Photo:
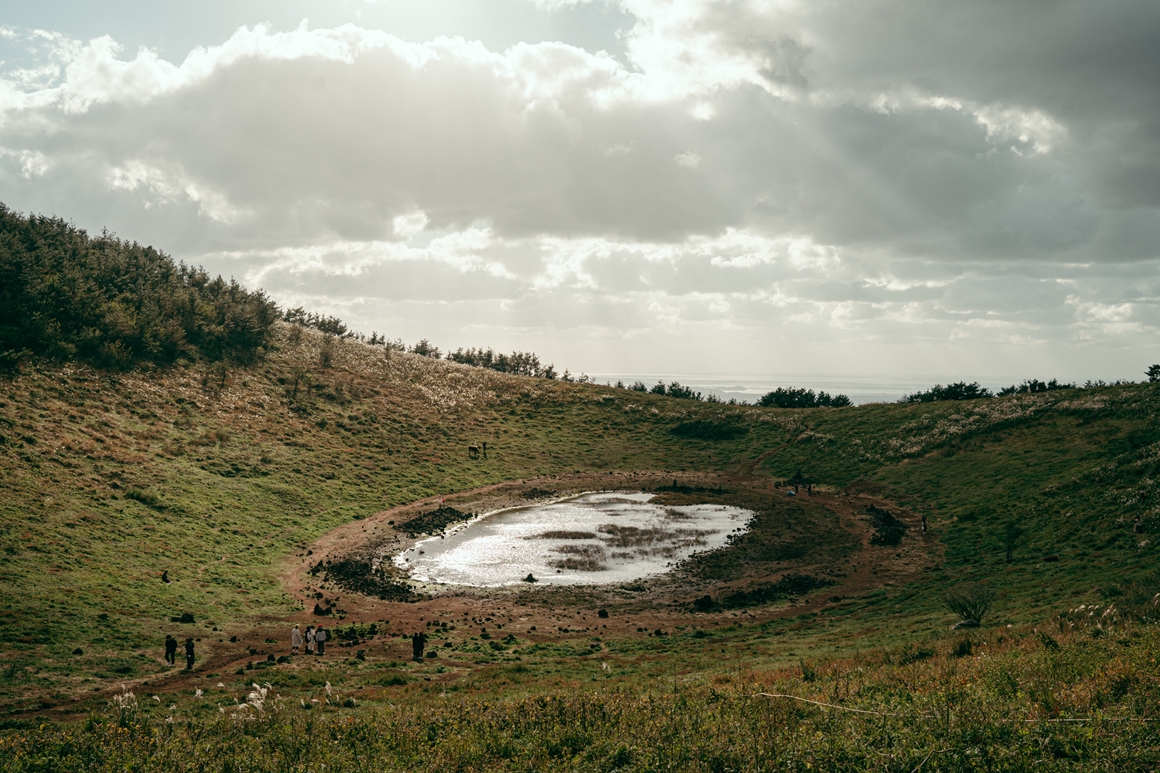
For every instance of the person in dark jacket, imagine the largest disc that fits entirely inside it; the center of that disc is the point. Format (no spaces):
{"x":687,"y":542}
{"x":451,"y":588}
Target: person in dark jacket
{"x":170,"y":650}
{"x":189,"y":654}
{"x":320,"y":638}
{"x":418,"y":644}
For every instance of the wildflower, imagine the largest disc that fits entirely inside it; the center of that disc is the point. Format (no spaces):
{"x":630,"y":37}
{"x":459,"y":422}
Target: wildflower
{"x":197,"y":693}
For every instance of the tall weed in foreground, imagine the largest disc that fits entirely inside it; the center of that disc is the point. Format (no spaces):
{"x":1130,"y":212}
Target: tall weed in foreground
{"x":1081,"y":703}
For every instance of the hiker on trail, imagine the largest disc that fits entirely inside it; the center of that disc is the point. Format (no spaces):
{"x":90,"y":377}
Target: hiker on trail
{"x":924,"y":524}
{"x":810,"y":490}
{"x":320,"y":640}
{"x":1137,"y":525}
{"x":189,"y":654}
{"x":418,"y":643}
{"x":309,"y":640}
{"x":170,"y":650}
{"x":295,"y":640}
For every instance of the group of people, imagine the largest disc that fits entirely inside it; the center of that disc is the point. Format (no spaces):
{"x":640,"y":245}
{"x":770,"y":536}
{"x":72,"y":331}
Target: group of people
{"x":171,"y":652}
{"x":314,"y":639}
{"x":418,"y":644}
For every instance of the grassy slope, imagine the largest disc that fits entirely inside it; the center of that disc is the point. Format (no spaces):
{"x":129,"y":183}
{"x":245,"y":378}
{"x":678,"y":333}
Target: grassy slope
{"x":231,"y":479}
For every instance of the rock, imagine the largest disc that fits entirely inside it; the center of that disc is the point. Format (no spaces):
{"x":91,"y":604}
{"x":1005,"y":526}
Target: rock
{"x":184,"y":617}
{"x":530,"y":578}
{"x":1050,"y":559}
{"x":603,"y":614}
{"x":78,"y":651}
{"x":966,"y":624}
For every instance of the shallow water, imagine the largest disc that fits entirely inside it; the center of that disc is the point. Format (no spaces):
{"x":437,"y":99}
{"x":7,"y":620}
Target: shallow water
{"x":589,"y":539}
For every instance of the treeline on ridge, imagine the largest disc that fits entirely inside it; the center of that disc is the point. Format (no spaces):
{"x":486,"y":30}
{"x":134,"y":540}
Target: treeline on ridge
{"x":66,"y":295}
{"x":114,"y":303}
{"x":961,"y":390}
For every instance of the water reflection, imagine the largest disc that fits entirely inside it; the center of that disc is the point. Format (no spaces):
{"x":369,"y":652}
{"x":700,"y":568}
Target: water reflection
{"x":593,"y":538}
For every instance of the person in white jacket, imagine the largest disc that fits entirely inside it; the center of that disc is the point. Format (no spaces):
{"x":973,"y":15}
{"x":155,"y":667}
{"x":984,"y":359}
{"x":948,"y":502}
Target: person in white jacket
{"x":295,"y":640}
{"x":309,"y":640}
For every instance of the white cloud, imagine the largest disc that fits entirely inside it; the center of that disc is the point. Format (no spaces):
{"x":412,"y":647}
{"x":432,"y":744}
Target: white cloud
{"x":166,"y":187}
{"x":410,"y":224}
{"x":862,"y":173}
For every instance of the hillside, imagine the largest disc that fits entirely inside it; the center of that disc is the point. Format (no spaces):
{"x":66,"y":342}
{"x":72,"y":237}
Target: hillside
{"x":179,"y":457}
{"x":220,"y":476}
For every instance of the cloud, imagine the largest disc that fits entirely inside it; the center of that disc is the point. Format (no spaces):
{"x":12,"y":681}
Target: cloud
{"x":885,"y":172}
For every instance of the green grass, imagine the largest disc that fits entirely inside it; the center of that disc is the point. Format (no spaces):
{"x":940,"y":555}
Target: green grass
{"x":992,"y":701}
{"x":108,"y":480}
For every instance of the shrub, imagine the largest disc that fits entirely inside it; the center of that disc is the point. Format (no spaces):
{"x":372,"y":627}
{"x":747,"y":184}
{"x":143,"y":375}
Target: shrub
{"x":888,"y":530}
{"x":1034,"y":386}
{"x":960,"y":390}
{"x":519,"y":363}
{"x":794,"y":397}
{"x":426,"y":349}
{"x":971,"y":602}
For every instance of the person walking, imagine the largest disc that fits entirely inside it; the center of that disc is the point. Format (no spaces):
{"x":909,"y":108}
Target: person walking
{"x":309,"y":640}
{"x":924,"y":524}
{"x":320,"y":638}
{"x":1137,"y":525}
{"x":295,"y":640}
{"x":189,"y":654}
{"x":170,"y":651}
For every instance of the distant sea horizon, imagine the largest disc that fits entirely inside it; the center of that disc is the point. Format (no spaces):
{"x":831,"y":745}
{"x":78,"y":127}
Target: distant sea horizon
{"x":750,"y":388}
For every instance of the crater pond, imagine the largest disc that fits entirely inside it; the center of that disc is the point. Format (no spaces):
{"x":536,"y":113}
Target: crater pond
{"x":588,"y":539}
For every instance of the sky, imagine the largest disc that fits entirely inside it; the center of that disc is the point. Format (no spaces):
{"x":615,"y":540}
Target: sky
{"x":760,"y":192}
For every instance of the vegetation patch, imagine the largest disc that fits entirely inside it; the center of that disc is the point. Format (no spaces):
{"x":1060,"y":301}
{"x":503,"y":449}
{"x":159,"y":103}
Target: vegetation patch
{"x":564,"y":534}
{"x":359,"y":575}
{"x":66,"y":295}
{"x":888,"y":530}
{"x":434,"y":522}
{"x":789,"y":586}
